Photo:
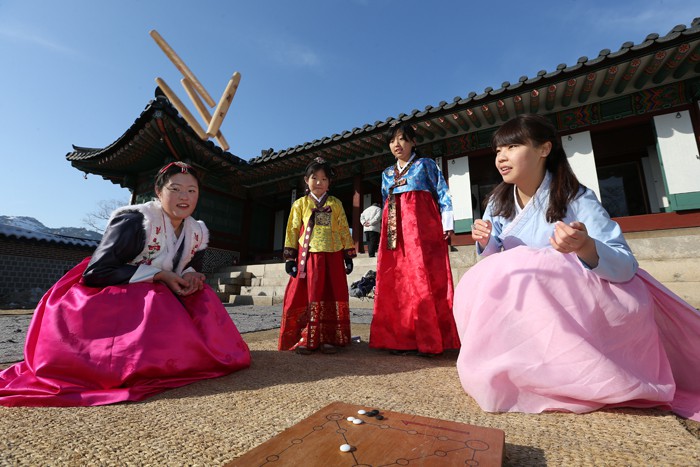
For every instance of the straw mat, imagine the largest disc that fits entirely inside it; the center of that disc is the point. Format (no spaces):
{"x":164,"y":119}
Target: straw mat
{"x":212,"y":422}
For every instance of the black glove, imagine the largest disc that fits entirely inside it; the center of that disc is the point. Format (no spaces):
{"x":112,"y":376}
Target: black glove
{"x":290,"y":267}
{"x":348,"y":265}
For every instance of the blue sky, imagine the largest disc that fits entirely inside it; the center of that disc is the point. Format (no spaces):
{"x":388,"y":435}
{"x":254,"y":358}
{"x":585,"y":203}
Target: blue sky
{"x":81,"y":71}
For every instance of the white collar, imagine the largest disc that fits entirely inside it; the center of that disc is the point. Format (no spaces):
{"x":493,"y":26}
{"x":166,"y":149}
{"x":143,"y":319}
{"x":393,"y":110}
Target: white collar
{"x":398,"y":162}
{"x":314,"y":197}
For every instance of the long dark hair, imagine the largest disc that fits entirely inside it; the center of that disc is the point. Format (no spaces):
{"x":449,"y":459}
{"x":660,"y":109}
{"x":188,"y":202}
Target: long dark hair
{"x":536,"y":130}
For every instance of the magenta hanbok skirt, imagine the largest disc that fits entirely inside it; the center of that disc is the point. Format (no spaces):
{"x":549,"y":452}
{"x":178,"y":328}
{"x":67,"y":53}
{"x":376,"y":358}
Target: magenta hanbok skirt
{"x":540,"y":332}
{"x":93,"y":346}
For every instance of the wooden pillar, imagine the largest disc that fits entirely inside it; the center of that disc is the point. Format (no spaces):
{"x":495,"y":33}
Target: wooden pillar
{"x":244,"y":252}
{"x":356,"y":211}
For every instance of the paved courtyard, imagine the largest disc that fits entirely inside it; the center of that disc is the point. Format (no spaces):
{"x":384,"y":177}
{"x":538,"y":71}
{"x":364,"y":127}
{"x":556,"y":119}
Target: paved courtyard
{"x":248,"y":318}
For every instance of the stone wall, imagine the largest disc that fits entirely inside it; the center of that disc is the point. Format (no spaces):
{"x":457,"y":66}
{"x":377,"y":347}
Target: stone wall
{"x":29,"y":268}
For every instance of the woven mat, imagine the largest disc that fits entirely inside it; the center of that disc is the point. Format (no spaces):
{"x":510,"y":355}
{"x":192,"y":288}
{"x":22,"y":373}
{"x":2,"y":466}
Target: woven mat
{"x":212,"y":422}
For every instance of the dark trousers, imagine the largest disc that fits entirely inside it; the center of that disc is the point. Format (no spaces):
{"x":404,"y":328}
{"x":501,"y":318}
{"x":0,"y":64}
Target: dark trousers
{"x":372,"y":239}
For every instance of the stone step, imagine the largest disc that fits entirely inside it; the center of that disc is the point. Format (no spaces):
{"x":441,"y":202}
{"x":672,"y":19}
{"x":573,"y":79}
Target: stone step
{"x":249,"y":300}
{"x":227,"y":289}
{"x":665,"y":244}
{"x":673,"y":270}
{"x":232,"y":274}
{"x":276,"y":274}
{"x":266,"y":290}
{"x":278,"y":281}
{"x":253,"y":269}
{"x":228,"y":280}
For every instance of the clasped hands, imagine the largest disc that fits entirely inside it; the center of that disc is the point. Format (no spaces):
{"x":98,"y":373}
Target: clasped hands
{"x":566,"y":238}
{"x":189,"y":283}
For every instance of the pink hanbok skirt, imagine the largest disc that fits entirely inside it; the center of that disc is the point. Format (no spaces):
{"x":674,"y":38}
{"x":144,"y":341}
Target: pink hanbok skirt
{"x":540,"y":332}
{"x":93,"y":346}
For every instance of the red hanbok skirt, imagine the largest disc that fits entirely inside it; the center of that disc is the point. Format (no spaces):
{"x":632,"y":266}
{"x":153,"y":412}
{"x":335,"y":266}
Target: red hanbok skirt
{"x":413,"y":295}
{"x":94,"y":346}
{"x":316,"y":309}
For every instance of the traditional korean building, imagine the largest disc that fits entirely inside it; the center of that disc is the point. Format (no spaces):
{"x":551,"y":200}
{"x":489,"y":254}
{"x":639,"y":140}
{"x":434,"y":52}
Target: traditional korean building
{"x":629,"y":121}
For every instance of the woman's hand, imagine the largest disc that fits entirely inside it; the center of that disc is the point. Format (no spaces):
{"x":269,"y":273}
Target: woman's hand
{"x":290,"y":267}
{"x":348,"y":266}
{"x":177,"y":284}
{"x":448,"y":234}
{"x":481,"y":232}
{"x":573,"y":238}
{"x":195,"y":280}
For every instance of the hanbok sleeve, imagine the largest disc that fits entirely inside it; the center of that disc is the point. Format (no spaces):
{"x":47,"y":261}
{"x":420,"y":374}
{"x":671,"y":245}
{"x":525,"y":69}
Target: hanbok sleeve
{"x":616,"y":262}
{"x":291,"y":239}
{"x":386,"y":183}
{"x":494,"y":245}
{"x":442,"y":195}
{"x":196,"y":263}
{"x":122,"y":241}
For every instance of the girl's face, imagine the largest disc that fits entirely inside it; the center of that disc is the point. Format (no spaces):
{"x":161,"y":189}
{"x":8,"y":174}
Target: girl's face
{"x":318,"y":183}
{"x":179,"y":197}
{"x":401,"y":147}
{"x":522,"y":164}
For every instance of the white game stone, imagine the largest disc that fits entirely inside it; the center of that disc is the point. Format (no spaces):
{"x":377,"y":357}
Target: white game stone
{"x":345,"y":447}
{"x":351,"y":419}
{"x":357,"y":421}
{"x":362,"y":412}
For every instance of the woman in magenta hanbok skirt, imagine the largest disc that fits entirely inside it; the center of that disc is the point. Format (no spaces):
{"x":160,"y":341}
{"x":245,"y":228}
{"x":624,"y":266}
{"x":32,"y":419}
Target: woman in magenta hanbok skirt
{"x":133,"y":320}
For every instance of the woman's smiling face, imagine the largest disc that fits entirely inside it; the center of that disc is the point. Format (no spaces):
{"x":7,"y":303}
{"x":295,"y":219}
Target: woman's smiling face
{"x":179,"y":197}
{"x":522,"y":163}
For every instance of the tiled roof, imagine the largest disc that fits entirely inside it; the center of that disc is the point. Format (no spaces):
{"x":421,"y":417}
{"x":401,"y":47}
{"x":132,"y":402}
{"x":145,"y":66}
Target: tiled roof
{"x":474,"y":109}
{"x":19,"y":233}
{"x":157,"y":134}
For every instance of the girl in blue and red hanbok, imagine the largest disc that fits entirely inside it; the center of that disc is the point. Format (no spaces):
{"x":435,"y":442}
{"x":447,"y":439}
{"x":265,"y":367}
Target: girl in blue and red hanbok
{"x":413,"y":295}
{"x":318,"y":250}
{"x":134,"y":319}
{"x":557,"y":316}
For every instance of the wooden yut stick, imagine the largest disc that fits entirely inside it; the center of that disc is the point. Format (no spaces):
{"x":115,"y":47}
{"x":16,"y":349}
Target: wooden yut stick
{"x":180,"y":65}
{"x":203,"y":111}
{"x":224,"y":104}
{"x":177,"y":103}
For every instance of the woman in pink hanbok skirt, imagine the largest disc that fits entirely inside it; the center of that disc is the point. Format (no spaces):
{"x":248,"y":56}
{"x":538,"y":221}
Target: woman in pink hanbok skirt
{"x":134,"y":319}
{"x":557,"y":316}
